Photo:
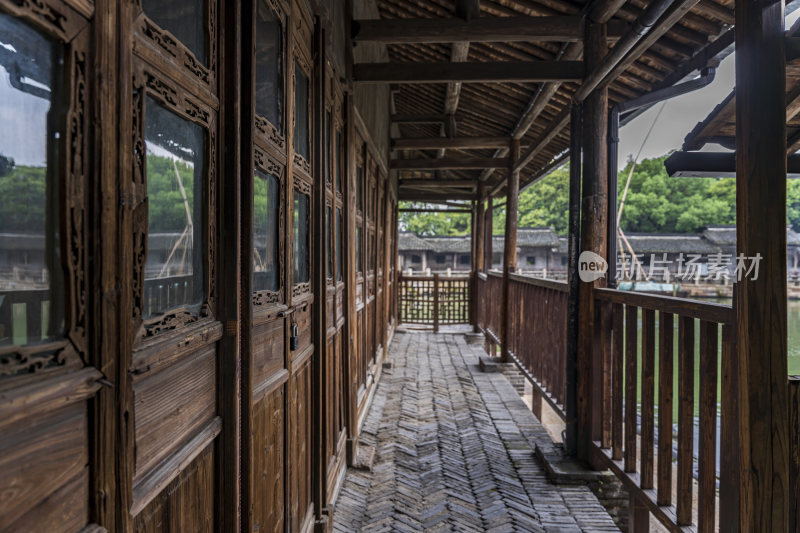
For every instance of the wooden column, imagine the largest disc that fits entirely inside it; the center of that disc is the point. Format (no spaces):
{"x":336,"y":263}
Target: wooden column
{"x":487,"y":243}
{"x":480,"y":232}
{"x":761,"y":303}
{"x":510,"y":244}
{"x":571,"y":366}
{"x":594,"y":211}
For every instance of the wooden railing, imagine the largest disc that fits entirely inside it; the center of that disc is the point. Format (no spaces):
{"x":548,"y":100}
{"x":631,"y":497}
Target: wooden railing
{"x":434,"y":300}
{"x":537,"y":340}
{"x":161,"y":294}
{"x":636,"y":435}
{"x":21,"y":313}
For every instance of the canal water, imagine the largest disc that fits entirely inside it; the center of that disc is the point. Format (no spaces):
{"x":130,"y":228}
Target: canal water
{"x":793,"y":369}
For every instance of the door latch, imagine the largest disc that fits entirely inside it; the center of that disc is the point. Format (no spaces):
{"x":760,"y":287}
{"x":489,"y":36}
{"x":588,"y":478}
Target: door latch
{"x":294,"y":339}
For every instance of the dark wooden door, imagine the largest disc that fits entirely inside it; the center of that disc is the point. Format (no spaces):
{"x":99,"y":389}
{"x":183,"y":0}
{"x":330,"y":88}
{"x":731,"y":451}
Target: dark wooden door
{"x":170,"y":327}
{"x":48,"y":374}
{"x":277,"y":193}
{"x":333,"y":370}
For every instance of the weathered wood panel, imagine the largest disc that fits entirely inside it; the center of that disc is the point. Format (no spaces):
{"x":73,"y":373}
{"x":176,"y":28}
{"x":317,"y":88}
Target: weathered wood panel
{"x":187,"y":504}
{"x":268,"y":350}
{"x":267,"y":506}
{"x":38,"y":458}
{"x":171,"y":405}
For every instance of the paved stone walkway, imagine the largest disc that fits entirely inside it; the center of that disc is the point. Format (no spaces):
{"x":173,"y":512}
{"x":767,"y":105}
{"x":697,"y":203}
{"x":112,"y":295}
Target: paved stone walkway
{"x":454,"y":452}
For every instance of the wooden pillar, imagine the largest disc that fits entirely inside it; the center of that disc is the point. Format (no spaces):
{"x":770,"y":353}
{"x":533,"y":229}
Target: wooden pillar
{"x":480,"y":233}
{"x":510,"y":244}
{"x":594,"y":212}
{"x":487,"y":243}
{"x":436,"y":303}
{"x":761,"y":302}
{"x":571,"y":366}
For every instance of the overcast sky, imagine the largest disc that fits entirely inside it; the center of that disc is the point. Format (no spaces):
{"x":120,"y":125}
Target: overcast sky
{"x":680,"y":115}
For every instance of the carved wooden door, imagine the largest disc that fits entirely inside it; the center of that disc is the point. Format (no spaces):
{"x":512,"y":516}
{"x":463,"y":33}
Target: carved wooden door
{"x":358,"y":355}
{"x":334,"y":384}
{"x":277,"y":187}
{"x":170,"y":330}
{"x":48,"y":378}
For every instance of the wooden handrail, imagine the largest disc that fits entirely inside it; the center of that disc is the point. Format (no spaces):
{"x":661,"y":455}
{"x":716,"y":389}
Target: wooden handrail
{"x":560,"y":286}
{"x":722,"y":314}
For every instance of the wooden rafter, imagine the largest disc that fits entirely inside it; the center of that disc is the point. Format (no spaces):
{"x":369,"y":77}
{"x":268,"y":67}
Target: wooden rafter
{"x":455,"y":143}
{"x":486,"y":29}
{"x":478,"y":71}
{"x":459,"y":163}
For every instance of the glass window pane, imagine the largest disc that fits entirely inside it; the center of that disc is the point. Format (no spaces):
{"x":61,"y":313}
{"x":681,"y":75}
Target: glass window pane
{"x":327,"y":131}
{"x":31,"y":98}
{"x":359,"y":188}
{"x":185,"y":19}
{"x":339,"y":265}
{"x":269,"y":66}
{"x":337,"y":160}
{"x":328,"y":250}
{"x":266,"y":198}
{"x":359,"y":265}
{"x":175,"y":174}
{"x":300,"y":111}
{"x":301,"y":245}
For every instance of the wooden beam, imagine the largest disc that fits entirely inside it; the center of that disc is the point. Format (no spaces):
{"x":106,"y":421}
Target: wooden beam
{"x":436,"y":183}
{"x":432,"y":196}
{"x":538,"y":103}
{"x":411,"y":210}
{"x":430,"y":118}
{"x":762,"y":479}
{"x":558,"y":125}
{"x":460,"y":163}
{"x":456,"y":143}
{"x":468,"y":9}
{"x":485,"y":29}
{"x":500,"y":71}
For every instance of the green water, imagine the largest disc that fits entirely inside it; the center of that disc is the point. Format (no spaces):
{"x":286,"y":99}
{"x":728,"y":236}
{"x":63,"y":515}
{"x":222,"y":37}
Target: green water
{"x":793,"y":356}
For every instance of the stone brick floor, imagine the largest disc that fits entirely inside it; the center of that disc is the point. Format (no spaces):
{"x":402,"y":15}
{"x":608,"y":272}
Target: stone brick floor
{"x":454,"y":452}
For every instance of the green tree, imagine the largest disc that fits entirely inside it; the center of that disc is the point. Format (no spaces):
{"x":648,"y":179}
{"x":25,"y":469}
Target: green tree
{"x":433,"y":224}
{"x":167,"y":213}
{"x":23,"y":199}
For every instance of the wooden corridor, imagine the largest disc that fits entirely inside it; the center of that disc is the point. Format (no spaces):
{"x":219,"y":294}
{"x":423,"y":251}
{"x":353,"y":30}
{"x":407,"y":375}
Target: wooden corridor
{"x":454,"y":452}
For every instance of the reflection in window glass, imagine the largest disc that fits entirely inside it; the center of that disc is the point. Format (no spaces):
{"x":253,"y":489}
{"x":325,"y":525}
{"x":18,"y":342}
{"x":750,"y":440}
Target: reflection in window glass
{"x":269,"y":65}
{"x":175,"y":170}
{"x":359,"y":264}
{"x":359,"y":188}
{"x":301,"y":222}
{"x":31,"y":275}
{"x":337,"y":160}
{"x":266,"y":197}
{"x":327,"y":131}
{"x":328,"y":250}
{"x":300,"y":111}
{"x":339,"y":265}
{"x":185,"y":19}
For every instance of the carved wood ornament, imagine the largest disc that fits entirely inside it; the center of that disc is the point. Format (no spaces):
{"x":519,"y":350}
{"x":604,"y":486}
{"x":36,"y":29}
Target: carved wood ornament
{"x":69,"y":27}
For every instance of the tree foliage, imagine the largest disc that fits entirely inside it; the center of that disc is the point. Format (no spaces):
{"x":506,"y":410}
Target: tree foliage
{"x":167,"y":213}
{"x":655,"y":203}
{"x":23,"y":199}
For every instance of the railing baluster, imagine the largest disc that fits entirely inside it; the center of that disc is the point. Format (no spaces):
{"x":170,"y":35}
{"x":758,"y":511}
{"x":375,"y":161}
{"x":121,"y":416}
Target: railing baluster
{"x":707,"y":452}
{"x":631,"y":327}
{"x":617,"y":381}
{"x":606,"y":335}
{"x":648,"y":377}
{"x":685,"y":419}
{"x":666,"y":354}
